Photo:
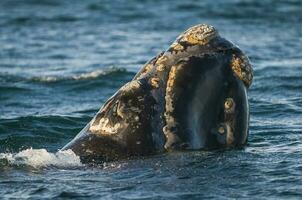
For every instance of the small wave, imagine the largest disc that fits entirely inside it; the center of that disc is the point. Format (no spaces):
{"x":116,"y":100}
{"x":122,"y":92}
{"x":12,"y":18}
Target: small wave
{"x":39,"y":158}
{"x":83,"y":76}
{"x":90,"y":75}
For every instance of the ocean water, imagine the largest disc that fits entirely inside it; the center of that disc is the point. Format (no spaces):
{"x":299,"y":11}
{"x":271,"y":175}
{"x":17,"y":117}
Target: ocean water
{"x":61,"y":60}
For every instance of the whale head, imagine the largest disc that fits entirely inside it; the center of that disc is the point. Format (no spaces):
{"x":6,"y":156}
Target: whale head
{"x":206,"y":93}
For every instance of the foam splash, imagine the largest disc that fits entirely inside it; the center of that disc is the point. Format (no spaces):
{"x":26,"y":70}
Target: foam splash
{"x":39,"y":158}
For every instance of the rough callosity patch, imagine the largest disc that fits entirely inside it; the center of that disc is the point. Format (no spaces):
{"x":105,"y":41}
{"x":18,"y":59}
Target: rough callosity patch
{"x":160,"y":67}
{"x":242,"y":68}
{"x":171,"y":79}
{"x":170,"y":95}
{"x":147,"y":68}
{"x":230,"y":135}
{"x":154,"y":82}
{"x":200,"y":34}
{"x":229,"y":106}
{"x":132,"y":85}
{"x":162,"y":63}
{"x":176,"y":47}
{"x":104,"y":127}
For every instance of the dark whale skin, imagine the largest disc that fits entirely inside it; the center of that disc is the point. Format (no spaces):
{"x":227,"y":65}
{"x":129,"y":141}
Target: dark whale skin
{"x":191,"y":96}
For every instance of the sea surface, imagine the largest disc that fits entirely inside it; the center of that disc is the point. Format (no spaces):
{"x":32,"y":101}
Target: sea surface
{"x":61,"y":60}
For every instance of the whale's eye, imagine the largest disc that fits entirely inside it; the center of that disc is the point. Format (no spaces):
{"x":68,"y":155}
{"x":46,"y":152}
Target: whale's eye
{"x":229,"y":104}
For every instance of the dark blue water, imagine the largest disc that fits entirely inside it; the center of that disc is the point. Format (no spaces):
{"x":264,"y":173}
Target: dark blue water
{"x":60,"y":60}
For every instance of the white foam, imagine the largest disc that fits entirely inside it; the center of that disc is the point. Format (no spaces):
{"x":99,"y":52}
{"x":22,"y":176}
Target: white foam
{"x":38,"y":158}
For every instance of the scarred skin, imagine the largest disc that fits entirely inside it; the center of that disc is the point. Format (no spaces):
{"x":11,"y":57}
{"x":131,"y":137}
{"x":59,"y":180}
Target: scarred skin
{"x":191,"y":96}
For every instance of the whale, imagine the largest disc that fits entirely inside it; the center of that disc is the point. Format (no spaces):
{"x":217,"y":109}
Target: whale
{"x":191,"y":96}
